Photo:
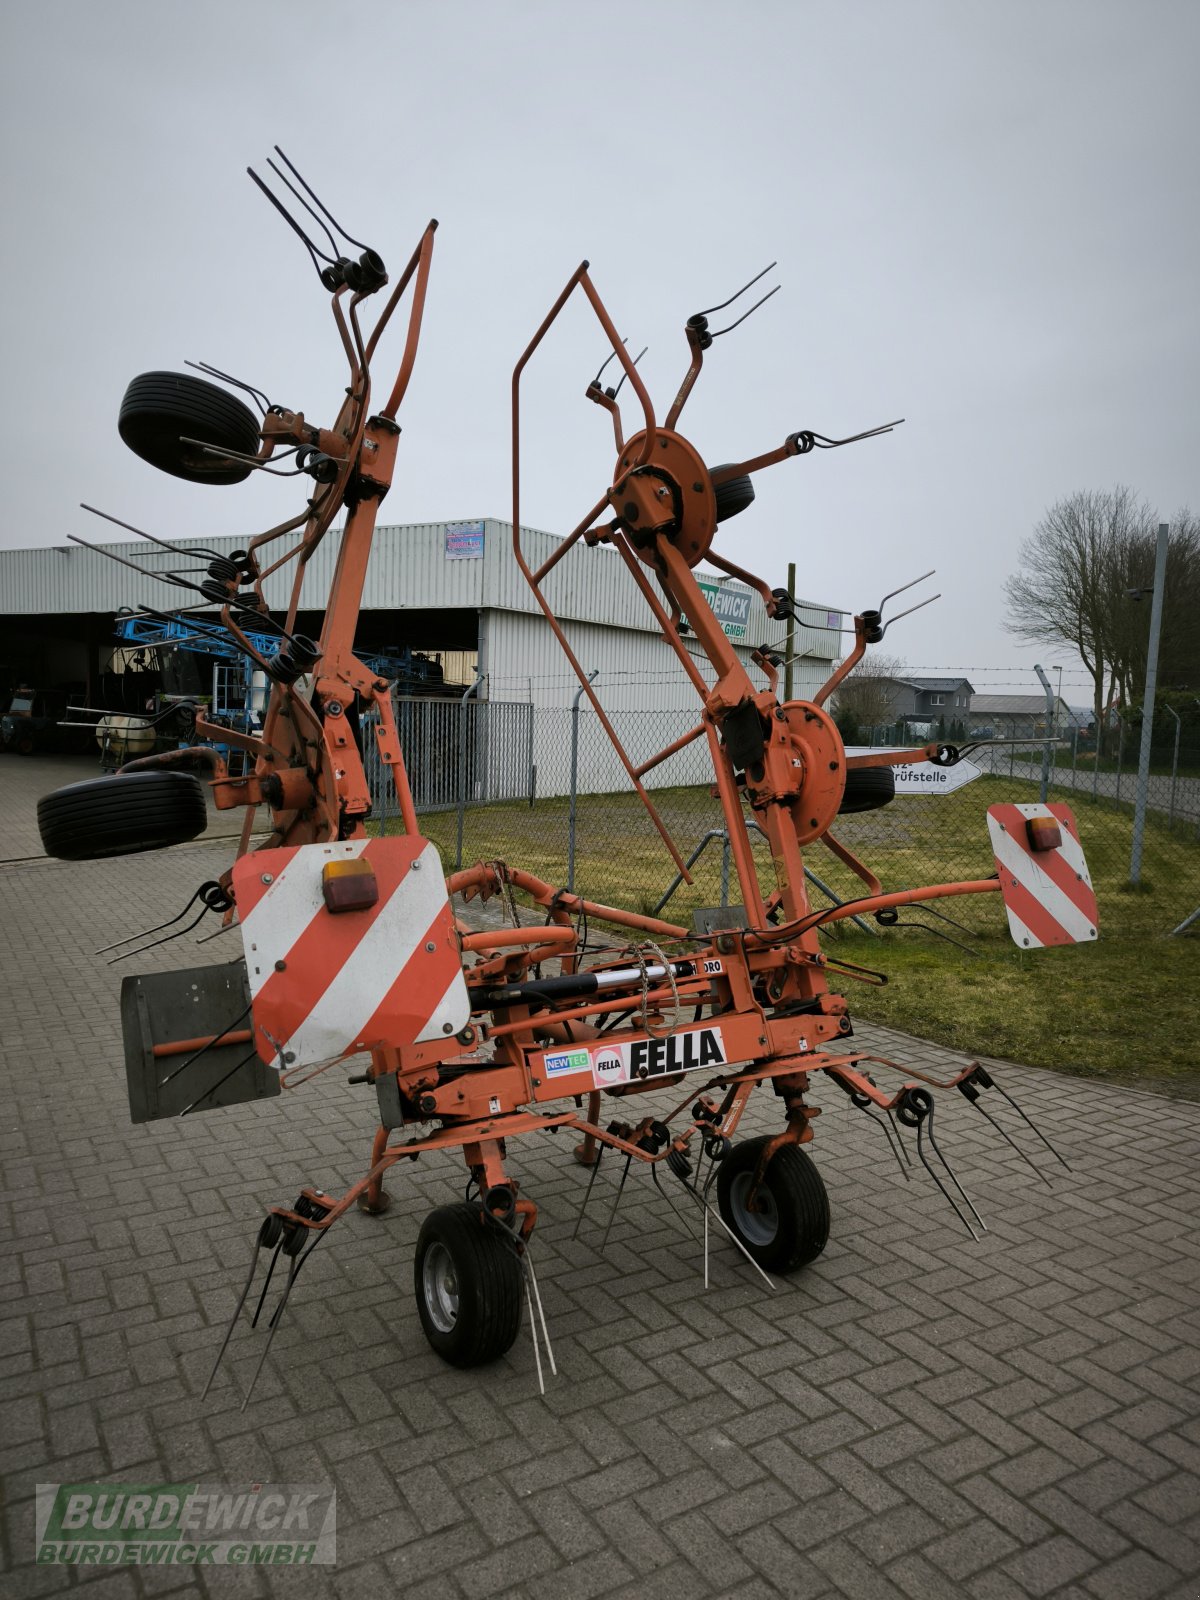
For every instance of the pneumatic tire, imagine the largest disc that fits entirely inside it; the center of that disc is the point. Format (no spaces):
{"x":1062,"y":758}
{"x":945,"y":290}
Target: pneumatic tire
{"x":468,"y":1286}
{"x":733,"y":496}
{"x":161,"y":409}
{"x":867,"y":789}
{"x":121,"y":815}
{"x":792,"y":1226}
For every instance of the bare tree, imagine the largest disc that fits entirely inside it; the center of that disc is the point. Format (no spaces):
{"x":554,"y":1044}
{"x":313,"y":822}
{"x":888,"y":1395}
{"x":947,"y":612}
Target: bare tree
{"x":1073,"y":588}
{"x":869,"y":693}
{"x":1070,"y":590}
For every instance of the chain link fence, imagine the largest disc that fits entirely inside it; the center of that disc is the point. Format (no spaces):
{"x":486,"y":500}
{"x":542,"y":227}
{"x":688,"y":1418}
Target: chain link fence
{"x":544,"y":789}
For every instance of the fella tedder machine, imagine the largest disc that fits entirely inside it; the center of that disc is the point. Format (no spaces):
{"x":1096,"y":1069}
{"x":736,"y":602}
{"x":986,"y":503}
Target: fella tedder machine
{"x":353,"y":946}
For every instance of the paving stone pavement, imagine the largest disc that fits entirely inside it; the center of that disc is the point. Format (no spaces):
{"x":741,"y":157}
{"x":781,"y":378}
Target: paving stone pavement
{"x":914,"y":1415}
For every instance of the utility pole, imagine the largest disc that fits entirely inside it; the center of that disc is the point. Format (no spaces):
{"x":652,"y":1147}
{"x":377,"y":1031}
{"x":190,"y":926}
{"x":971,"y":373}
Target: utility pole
{"x":790,"y":649}
{"x":1143,"y":777}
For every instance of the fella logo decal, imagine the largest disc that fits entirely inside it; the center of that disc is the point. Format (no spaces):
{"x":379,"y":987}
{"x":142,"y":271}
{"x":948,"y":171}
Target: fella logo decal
{"x":658,"y":1058}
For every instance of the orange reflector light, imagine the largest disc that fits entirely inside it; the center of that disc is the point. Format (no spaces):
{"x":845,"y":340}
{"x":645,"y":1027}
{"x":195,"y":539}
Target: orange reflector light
{"x":1044,"y":833}
{"x":349,"y":885}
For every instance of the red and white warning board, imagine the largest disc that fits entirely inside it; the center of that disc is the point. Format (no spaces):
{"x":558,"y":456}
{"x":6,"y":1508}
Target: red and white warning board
{"x":329,"y":983}
{"x":1046,"y":886}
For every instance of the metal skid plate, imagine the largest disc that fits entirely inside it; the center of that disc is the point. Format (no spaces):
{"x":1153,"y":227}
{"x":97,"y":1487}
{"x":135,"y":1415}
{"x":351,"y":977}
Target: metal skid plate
{"x":164,"y":1008}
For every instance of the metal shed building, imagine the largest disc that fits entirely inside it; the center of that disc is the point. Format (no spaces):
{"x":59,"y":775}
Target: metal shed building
{"x":449,"y":587}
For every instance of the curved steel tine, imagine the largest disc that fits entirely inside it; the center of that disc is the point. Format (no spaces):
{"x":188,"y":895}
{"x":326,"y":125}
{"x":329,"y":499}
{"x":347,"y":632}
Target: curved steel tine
{"x":129,"y":938}
{"x":1005,"y":1135}
{"x":588,"y":1192}
{"x":291,"y":222}
{"x":671,"y":1203}
{"x":899,"y":1140}
{"x":219,"y":1083}
{"x":270,"y":1272}
{"x":1030,"y":1124}
{"x":887,"y":1133}
{"x":911,"y":609}
{"x":611,"y":356}
{"x":177,"y":549}
{"x":531,"y":1282}
{"x":293,"y":1271}
{"x":904,"y":587}
{"x":309,"y":190}
{"x":954,"y":1179}
{"x":227,"y":377}
{"x":320,"y":221}
{"x":142,"y":948}
{"x":624,"y":375}
{"x":216,"y":1039}
{"x":749,"y":313}
{"x":612,"y":1214}
{"x":533,"y":1336}
{"x":237,"y":1311}
{"x":954,"y":1204}
{"x":740,"y":292}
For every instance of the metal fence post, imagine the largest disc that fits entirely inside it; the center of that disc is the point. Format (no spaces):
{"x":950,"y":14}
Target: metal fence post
{"x":1045,"y":681}
{"x":462,"y":769}
{"x":1174,"y":765}
{"x":1143,"y":777}
{"x":1120,"y":751}
{"x":575,"y":779}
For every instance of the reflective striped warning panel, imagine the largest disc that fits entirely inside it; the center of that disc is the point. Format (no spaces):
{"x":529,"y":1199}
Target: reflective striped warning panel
{"x":348,"y":945}
{"x":1044,"y":877}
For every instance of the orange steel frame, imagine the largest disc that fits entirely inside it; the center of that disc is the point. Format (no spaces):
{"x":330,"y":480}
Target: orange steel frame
{"x":764,"y":985}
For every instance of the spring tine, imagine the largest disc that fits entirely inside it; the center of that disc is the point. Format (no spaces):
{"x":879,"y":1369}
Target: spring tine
{"x":900,"y":1142}
{"x":749,"y":313}
{"x":300,"y":1260}
{"x":1004,"y":1134}
{"x":671,"y":1203}
{"x":527,"y":1260}
{"x":624,"y":375}
{"x":271,"y":1328}
{"x":266,"y":1285}
{"x":706,"y":1246}
{"x":717,"y":1217}
{"x":887,"y":1133}
{"x":941,"y":1185}
{"x":911,"y":584}
{"x":216,"y":1039}
{"x":588,"y":1192}
{"x":142,"y":948}
{"x":615,"y":1204}
{"x":145,"y":932}
{"x":533,"y":1334}
{"x":740,"y":292}
{"x":220,"y":1081}
{"x":309,"y":190}
{"x":1030,"y":1124}
{"x":237,"y":1311}
{"x":953,"y":1178}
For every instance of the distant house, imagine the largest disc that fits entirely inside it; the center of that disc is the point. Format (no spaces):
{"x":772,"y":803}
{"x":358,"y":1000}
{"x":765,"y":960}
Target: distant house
{"x":919,"y":699}
{"x":1021,"y":716}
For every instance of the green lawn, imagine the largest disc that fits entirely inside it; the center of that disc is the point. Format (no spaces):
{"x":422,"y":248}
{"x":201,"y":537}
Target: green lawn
{"x":1122,"y":1008}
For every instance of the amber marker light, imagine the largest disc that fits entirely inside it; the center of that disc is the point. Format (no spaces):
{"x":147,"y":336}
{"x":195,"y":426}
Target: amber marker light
{"x":1044,"y":834}
{"x":349,"y":885}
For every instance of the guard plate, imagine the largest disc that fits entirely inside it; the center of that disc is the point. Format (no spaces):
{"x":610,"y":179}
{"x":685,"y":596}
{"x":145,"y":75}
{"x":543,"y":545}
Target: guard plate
{"x":1048,"y":894}
{"x":326,"y":985}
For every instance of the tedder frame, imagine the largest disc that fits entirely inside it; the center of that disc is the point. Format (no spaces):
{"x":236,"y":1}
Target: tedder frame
{"x":353,"y":946}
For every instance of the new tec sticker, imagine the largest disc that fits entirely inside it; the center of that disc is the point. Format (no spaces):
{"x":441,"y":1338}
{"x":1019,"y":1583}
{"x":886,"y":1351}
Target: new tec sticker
{"x":561,"y":1061}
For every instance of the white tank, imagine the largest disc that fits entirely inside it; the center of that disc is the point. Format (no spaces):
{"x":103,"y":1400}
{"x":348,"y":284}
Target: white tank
{"x":125,"y":737}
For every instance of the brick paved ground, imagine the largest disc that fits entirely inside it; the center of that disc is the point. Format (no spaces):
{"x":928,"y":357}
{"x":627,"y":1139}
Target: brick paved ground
{"x":915,"y":1415}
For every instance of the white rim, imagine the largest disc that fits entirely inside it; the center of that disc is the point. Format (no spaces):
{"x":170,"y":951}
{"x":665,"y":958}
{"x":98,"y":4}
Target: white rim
{"x":439,"y":1282}
{"x":755,"y":1227}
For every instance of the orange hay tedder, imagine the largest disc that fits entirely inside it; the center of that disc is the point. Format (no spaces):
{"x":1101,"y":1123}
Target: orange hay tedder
{"x":352,"y":945}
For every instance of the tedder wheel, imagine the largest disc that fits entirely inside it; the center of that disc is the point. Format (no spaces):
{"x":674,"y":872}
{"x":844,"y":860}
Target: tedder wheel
{"x":161,"y":409}
{"x":468,"y":1283}
{"x":791,"y":1226}
{"x":867,"y":788}
{"x":733,"y":496}
{"x":118,"y":816}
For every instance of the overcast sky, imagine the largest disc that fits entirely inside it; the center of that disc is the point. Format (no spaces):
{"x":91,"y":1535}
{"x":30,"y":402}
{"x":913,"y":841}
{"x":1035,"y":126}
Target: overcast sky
{"x":986,"y":220}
